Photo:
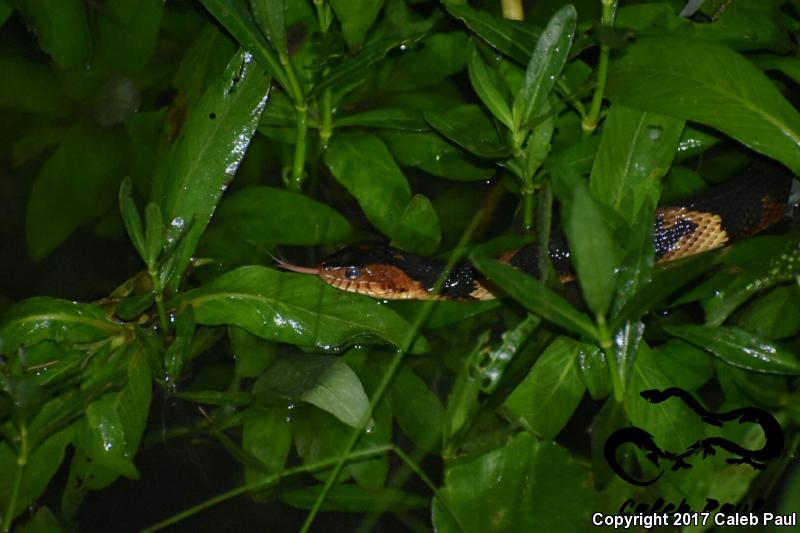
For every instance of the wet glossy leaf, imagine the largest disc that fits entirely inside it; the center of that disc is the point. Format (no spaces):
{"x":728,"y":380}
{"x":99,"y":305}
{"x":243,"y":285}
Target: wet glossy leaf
{"x":545,"y":65}
{"x":636,"y":150}
{"x":178,"y":352}
{"x":270,"y":15}
{"x":355,"y":160}
{"x":321,"y":380}
{"x":354,"y":499}
{"x":490,"y":87}
{"x":268,"y":216}
{"x":40,"y":318}
{"x":710,"y":84}
{"x":764,"y":270}
{"x":685,"y":364}
{"x":773,"y":316}
{"x":356,"y":16}
{"x":433,"y":154}
{"x":236,"y":18}
{"x":61,"y":27}
{"x":740,"y":348}
{"x":267,"y":435}
{"x":512,"y":38}
{"x":76,"y":185}
{"x":535,"y":296}
{"x":391,"y":118}
{"x":594,"y":371}
{"x":43,"y":462}
{"x":213,"y":142}
{"x":293,"y":308}
{"x":472,"y":129}
{"x":550,"y":393}
{"x":543,"y":488}
{"x":418,"y":230}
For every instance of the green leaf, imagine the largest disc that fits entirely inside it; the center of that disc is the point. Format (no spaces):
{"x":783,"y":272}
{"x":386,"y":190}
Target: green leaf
{"x":710,"y":84}
{"x":126,"y":36}
{"x":178,"y":352}
{"x":550,"y":393}
{"x":436,"y":59}
{"x":41,"y":318}
{"x":542,"y":488}
{"x":418,"y":410}
{"x":666,"y":280}
{"x":211,"y":146}
{"x":636,"y":151}
{"x":270,"y":15}
{"x":30,"y":87}
{"x":594,"y":371}
{"x":75,"y":186}
{"x":471,"y":128}
{"x":153,"y":233}
{"x":293,"y":308}
{"x":253,"y":354}
{"x":592,"y":250}
{"x":490,"y":86}
{"x":418,"y":230}
{"x":321,"y":380}
{"x":763,"y":270}
{"x":535,"y":296}
{"x":355,"y":161}
{"x":267,"y":435}
{"x":545,"y":66}
{"x":355,"y":17}
{"x":431,"y":153}
{"x":43,"y":463}
{"x":61,"y":27}
{"x":351,"y":498}
{"x":131,"y":218}
{"x":236,"y":18}
{"x":391,"y":118}
{"x":773,"y":316}
{"x":739,"y":348}
{"x":512,"y":38}
{"x":685,"y":364}
{"x":268,"y":216}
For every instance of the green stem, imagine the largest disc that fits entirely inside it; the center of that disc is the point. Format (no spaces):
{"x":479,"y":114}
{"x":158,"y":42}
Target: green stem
{"x":298,"y":167}
{"x":527,"y":209}
{"x":159,"y":298}
{"x":611,"y":359}
{"x":589,"y":122}
{"x":326,"y":128}
{"x":266,"y":482}
{"x":22,"y":461}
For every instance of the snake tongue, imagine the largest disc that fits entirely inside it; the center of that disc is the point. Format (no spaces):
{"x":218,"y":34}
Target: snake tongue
{"x":297,"y":268}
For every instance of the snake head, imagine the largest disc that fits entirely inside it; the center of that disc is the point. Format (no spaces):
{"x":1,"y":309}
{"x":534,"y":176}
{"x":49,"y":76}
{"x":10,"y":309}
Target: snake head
{"x":380,"y":272}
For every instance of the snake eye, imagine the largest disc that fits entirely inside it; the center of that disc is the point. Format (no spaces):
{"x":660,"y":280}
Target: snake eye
{"x":352,"y":273}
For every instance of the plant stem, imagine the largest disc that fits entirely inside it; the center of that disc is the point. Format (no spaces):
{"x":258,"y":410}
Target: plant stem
{"x":298,"y":167}
{"x":611,"y":359}
{"x":22,"y":461}
{"x":589,"y":122}
{"x":326,"y":128}
{"x":159,"y":298}
{"x":512,"y":10}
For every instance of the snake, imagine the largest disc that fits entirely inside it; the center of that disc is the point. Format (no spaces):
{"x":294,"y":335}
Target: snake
{"x":742,"y":207}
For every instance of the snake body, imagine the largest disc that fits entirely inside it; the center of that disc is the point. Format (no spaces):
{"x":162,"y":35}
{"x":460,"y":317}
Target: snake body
{"x":739,"y":209}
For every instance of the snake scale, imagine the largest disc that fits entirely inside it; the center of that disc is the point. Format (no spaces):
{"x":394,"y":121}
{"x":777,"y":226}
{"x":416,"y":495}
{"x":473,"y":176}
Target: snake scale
{"x":744,"y":206}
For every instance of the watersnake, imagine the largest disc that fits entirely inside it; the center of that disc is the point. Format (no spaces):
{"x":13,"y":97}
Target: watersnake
{"x":742,"y":207}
